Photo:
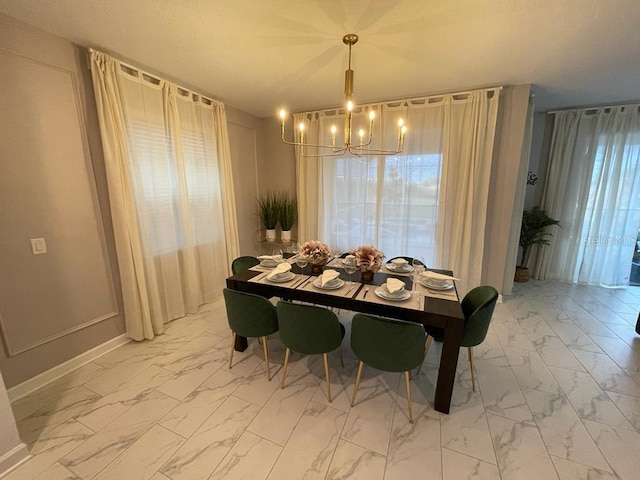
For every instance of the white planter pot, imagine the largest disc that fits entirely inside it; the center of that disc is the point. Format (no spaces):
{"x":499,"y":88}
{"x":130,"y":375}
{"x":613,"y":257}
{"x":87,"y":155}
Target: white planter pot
{"x":286,"y":236}
{"x":270,"y":235}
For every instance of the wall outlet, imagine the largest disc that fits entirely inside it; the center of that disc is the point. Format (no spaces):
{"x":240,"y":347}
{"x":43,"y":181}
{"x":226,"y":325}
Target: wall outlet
{"x":38,"y":246}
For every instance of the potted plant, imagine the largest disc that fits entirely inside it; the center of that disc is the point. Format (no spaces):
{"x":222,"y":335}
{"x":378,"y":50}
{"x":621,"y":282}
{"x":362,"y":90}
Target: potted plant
{"x":533,"y":231}
{"x":268,"y":206}
{"x":287,"y":214}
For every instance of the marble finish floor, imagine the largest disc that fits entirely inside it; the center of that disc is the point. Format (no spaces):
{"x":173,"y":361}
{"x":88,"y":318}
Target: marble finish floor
{"x":558,"y":397}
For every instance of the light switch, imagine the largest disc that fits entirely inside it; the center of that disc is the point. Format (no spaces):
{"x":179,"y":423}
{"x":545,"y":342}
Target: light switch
{"x":38,"y":246}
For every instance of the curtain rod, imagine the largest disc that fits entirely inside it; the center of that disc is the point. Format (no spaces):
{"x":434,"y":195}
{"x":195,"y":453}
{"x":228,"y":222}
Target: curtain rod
{"x":426,"y":98}
{"x":594,"y":107}
{"x":156,"y":77}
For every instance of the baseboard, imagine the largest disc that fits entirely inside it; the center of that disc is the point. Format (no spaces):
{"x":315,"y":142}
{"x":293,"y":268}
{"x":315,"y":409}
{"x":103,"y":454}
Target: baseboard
{"x":499,"y":298}
{"x":13,"y":459}
{"x":58,"y":371}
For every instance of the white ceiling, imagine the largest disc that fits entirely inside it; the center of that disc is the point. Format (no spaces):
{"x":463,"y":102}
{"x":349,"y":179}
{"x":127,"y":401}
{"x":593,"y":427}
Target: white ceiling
{"x":258,"y":55}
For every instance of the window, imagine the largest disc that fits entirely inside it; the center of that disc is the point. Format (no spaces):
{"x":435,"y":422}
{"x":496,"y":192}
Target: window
{"x":390,"y":201}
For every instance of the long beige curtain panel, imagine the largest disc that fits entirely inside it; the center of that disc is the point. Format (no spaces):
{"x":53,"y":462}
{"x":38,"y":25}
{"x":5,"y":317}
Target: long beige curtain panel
{"x":430,"y":200}
{"x":166,"y":152}
{"x":593,"y":188}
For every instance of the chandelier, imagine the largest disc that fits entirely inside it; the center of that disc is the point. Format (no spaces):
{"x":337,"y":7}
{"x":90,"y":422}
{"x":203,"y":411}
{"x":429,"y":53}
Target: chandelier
{"x":362,"y":145}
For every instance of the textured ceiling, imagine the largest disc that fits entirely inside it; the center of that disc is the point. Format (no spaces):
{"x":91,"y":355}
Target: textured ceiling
{"x":259,"y":55}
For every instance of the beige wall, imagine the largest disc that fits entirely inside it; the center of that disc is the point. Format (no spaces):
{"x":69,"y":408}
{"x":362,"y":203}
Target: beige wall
{"x":60,"y":304}
{"x":244,"y":133}
{"x":512,"y":117}
{"x":278,"y":166}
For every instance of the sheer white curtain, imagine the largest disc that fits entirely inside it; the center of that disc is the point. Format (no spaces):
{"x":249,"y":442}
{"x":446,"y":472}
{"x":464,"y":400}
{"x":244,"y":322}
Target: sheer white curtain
{"x":171,"y":193}
{"x":429,"y":201}
{"x":593,"y":188}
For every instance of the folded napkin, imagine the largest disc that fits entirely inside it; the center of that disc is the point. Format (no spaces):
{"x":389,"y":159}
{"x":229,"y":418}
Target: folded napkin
{"x":394,"y":285}
{"x":399,"y":262}
{"x":327,"y":276}
{"x":280,"y":269}
{"x":276,"y":258}
{"x":440,"y":277}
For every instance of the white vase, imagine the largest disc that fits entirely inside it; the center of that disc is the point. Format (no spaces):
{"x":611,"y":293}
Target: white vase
{"x":270,"y":235}
{"x":286,"y":236}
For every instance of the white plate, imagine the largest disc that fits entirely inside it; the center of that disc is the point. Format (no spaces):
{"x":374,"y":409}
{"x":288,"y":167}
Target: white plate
{"x":282,"y":278}
{"x":382,"y":293}
{"x":400,"y":269}
{"x":428,"y":284}
{"x":268,"y":263}
{"x":332,"y":285}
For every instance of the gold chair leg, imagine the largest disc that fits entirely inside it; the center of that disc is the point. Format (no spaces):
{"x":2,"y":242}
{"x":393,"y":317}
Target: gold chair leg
{"x":341,"y":358}
{"x":284,"y":368}
{"x":426,"y":350}
{"x":326,"y":373}
{"x":233,"y":347}
{"x":355,"y":388}
{"x":407,"y":381}
{"x":266,"y":357}
{"x":473,"y":369}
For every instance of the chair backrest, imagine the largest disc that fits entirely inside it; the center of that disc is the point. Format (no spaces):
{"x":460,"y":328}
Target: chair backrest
{"x":241,"y":264}
{"x":478,"y":306}
{"x":309,"y":329}
{"x":387,"y":344}
{"x":250,"y":315}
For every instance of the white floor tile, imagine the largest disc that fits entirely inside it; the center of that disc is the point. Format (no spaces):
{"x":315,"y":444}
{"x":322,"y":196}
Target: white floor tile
{"x":456,"y":466}
{"x":251,"y":457}
{"x":144,"y":457}
{"x":352,"y":462}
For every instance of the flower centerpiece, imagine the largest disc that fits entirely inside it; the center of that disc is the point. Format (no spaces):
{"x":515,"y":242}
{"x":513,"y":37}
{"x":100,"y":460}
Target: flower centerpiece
{"x":317,"y":253}
{"x":368,"y":261}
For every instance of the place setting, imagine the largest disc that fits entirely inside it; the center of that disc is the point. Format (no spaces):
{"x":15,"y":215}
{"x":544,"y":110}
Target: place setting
{"x":330,"y":283}
{"x":392,"y":292}
{"x":438,"y":285}
{"x":268,"y":262}
{"x":399,"y":266}
{"x":279,"y":274}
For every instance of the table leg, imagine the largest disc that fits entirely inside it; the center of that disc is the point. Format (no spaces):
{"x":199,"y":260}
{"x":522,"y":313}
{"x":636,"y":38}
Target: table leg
{"x":448,"y":365}
{"x":241,"y":343}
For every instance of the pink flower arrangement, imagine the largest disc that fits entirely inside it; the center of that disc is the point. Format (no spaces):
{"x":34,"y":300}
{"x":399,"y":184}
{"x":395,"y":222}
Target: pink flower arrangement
{"x":316,"y":252}
{"x":368,"y":258}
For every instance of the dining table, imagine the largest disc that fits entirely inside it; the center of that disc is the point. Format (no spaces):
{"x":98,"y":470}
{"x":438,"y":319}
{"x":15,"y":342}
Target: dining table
{"x":429,"y":307}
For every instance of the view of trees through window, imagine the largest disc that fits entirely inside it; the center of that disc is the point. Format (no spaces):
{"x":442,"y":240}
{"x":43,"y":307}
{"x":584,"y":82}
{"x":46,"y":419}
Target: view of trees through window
{"x":391,"y":202}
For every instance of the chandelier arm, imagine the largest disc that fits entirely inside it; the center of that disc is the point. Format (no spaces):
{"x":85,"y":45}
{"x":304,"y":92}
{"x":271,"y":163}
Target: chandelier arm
{"x":320,"y":155}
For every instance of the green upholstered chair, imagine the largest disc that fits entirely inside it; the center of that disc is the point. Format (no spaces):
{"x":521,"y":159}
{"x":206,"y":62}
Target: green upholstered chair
{"x":241,"y":264}
{"x":310,"y":330}
{"x":250,"y":315}
{"x":389,"y":345}
{"x":477,"y":306}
